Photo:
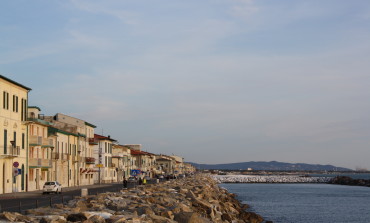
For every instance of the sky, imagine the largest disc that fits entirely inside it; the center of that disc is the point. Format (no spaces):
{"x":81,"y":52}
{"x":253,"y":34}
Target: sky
{"x":213,"y":81}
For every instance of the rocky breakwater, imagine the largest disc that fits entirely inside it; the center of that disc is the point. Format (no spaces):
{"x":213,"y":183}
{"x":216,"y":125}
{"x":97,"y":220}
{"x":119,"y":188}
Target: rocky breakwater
{"x":344,"y":180}
{"x":191,"y":200}
{"x":268,"y":179}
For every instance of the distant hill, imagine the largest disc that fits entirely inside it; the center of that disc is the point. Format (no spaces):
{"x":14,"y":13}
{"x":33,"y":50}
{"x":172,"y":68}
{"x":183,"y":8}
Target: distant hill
{"x":271,"y":166}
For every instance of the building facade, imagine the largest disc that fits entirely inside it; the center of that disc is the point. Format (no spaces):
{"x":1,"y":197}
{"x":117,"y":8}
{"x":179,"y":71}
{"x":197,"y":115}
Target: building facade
{"x":103,"y":149}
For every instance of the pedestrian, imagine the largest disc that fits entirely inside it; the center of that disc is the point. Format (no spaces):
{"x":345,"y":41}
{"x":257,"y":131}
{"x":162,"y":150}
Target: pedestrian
{"x":124,"y":183}
{"x":140,"y":181}
{"x":144,"y":181}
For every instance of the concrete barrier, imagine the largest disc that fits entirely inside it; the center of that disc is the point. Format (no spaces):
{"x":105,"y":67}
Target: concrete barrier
{"x":84,"y":192}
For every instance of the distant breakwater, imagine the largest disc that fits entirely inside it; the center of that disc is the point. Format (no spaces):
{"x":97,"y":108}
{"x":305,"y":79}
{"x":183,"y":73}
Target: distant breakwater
{"x":269,"y":179}
{"x":344,"y":180}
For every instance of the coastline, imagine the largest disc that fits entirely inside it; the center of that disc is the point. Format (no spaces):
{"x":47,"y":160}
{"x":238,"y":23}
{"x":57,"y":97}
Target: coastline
{"x":194,"y":199}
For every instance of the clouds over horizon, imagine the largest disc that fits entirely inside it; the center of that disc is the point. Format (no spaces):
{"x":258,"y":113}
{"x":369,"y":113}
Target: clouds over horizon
{"x":260,"y":79}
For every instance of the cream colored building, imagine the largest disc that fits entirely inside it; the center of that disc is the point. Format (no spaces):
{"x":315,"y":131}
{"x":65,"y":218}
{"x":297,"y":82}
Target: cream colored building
{"x":40,"y":150}
{"x":13,"y":136}
{"x":73,"y":157}
{"x":103,"y":149}
{"x":165,"y":164}
{"x":121,"y":160}
{"x":179,"y":165}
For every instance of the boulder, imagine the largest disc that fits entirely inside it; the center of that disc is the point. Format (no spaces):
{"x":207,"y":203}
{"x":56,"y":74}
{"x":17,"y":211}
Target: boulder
{"x":96,"y":219}
{"x":190,"y":217}
{"x":14,"y":217}
{"x":250,"y":217}
{"x":76,"y":217}
{"x":53,"y":219}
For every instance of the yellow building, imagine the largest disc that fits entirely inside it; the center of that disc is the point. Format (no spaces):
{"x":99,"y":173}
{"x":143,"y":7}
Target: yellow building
{"x":13,"y":136}
{"x":40,"y":150}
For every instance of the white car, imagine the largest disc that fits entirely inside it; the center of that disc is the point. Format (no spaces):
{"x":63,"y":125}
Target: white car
{"x":52,"y":187}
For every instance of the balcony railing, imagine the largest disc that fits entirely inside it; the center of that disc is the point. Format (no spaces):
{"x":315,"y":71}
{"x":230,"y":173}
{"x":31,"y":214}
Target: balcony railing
{"x":55,"y":156}
{"x":90,"y":160}
{"x":47,"y":142}
{"x":10,"y":151}
{"x":76,"y":159}
{"x":35,"y":140}
{"x":40,"y":141}
{"x":38,"y":162}
{"x":64,"y":156}
{"x":93,"y":141}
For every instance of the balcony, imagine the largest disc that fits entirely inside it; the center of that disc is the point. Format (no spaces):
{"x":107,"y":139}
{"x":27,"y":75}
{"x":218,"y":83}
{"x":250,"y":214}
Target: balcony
{"x":90,"y":160}
{"x":64,"y":156}
{"x":10,"y":151}
{"x":55,"y":156}
{"x":76,"y":159}
{"x":35,"y":140}
{"x":40,"y":141}
{"x":93,"y":141}
{"x":47,"y":142}
{"x":37,"y":162}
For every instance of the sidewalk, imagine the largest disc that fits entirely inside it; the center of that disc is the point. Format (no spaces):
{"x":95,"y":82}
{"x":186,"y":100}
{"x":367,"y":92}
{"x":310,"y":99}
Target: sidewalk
{"x":64,"y":189}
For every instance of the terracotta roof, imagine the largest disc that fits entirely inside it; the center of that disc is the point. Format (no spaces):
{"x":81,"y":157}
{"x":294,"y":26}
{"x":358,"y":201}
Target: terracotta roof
{"x":96,"y":136}
{"x":137,"y":152}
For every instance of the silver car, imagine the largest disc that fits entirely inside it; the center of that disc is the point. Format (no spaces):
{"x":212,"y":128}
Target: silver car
{"x":52,"y":187}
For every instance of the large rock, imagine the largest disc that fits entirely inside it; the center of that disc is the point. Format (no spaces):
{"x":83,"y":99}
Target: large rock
{"x":251,"y":217}
{"x":14,"y":217}
{"x":76,"y":217}
{"x":96,"y":219}
{"x":53,"y":219}
{"x":190,"y":217}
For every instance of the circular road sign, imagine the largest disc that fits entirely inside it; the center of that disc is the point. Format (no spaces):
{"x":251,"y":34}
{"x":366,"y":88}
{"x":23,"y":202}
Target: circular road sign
{"x":16,"y":164}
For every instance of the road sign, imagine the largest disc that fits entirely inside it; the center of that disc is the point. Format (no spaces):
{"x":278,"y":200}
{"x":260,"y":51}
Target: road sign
{"x":99,"y":165}
{"x":135,"y":172}
{"x":16,"y":164}
{"x":15,"y":171}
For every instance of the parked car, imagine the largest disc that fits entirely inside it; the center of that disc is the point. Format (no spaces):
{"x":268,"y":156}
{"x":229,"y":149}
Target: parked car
{"x":52,"y":187}
{"x":132,"y":180}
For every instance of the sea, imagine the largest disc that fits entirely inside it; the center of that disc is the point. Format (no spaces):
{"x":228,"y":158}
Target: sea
{"x":306,"y":203}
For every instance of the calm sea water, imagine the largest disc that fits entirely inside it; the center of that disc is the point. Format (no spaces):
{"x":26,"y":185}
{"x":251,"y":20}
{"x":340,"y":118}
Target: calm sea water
{"x":303,"y":203}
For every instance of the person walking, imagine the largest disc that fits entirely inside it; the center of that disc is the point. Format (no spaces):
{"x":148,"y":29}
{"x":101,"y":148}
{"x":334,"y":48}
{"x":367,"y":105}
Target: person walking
{"x":124,"y":183}
{"x":140,"y":181}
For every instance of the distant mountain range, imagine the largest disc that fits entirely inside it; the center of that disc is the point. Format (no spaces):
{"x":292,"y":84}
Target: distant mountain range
{"x":271,"y":166}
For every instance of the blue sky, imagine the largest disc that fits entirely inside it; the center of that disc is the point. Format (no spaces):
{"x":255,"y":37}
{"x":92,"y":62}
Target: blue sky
{"x":214,"y":81}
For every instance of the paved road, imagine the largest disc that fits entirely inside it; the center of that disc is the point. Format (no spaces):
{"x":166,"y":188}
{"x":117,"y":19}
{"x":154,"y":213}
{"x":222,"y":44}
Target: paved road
{"x":20,"y":202}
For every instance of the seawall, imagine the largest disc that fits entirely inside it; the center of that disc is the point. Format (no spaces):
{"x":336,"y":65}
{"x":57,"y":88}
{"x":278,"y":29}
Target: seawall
{"x":189,"y":200}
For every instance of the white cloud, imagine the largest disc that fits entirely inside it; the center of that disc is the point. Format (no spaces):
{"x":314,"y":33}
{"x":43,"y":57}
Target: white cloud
{"x":244,"y":9}
{"x":111,"y":9}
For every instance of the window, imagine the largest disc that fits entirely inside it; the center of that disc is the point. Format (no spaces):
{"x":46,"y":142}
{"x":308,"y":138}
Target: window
{"x":15,"y":139}
{"x":23,"y":139}
{"x":6,"y":100}
{"x":5,"y":141}
{"x":23,"y":109}
{"x":16,"y":103}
